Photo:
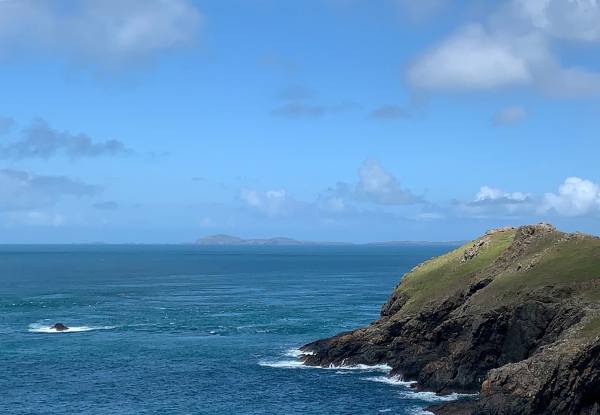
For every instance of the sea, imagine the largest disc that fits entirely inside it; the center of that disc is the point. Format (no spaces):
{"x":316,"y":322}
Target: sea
{"x":183,"y":329}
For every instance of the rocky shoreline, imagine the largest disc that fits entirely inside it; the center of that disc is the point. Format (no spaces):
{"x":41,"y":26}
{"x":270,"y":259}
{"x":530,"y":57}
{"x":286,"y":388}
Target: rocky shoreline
{"x":513,"y":316}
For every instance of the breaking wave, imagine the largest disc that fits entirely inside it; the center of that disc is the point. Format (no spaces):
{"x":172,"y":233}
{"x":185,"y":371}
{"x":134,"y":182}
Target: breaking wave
{"x":45,"y":328}
{"x":296,"y":363}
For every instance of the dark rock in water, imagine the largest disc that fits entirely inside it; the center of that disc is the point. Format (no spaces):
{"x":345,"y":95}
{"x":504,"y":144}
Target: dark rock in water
{"x":60,"y":327}
{"x":527,"y":339}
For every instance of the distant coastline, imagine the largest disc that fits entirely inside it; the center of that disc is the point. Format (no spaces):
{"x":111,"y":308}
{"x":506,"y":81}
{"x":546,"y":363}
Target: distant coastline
{"x":229,"y":240}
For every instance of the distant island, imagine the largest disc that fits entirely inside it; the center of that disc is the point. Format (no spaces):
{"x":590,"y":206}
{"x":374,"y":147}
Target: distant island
{"x":224,"y":240}
{"x":512,"y":317}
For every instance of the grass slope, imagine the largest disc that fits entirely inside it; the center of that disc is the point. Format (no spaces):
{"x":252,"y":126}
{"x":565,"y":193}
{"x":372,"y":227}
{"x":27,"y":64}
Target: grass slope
{"x":551,"y":259}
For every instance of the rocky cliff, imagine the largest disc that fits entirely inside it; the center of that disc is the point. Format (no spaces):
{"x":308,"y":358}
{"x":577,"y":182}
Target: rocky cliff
{"x":514,"y":315}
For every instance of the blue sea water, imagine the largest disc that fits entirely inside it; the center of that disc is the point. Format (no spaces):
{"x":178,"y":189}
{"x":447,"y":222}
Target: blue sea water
{"x":193,"y":330}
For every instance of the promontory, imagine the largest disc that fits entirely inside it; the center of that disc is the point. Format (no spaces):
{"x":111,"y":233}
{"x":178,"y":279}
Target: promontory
{"x":513,"y":316}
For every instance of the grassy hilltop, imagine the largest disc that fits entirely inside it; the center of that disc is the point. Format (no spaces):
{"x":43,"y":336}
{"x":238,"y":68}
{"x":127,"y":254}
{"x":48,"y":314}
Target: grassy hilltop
{"x":514,"y":314}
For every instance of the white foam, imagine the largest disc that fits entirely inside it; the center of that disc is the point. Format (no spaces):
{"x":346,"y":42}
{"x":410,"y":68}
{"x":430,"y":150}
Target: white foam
{"x":390,"y":380}
{"x":284,"y":364}
{"x":433,"y":397}
{"x":420,"y":411}
{"x":366,"y":368}
{"x":297,"y":353}
{"x":299,"y":364}
{"x":44,"y":328}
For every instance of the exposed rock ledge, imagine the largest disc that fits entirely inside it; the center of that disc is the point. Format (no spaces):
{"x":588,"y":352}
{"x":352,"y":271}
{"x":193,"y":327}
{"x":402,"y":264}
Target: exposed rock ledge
{"x":514,"y":315}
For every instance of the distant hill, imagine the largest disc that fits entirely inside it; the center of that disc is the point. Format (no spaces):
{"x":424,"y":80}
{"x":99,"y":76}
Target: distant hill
{"x":222,"y":239}
{"x":277,"y":241}
{"x":413,"y":243}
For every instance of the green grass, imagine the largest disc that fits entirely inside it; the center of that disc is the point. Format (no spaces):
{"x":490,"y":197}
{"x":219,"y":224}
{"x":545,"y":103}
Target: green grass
{"x":448,"y":273}
{"x":574,"y":261}
{"x":558,"y":262}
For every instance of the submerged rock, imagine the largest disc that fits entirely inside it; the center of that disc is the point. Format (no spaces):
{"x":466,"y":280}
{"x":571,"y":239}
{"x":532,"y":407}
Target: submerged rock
{"x":60,"y":327}
{"x":473,"y":320}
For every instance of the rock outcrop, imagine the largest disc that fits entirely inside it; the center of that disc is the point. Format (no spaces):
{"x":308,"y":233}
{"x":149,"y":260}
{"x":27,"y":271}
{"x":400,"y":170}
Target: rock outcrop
{"x":60,"y":327}
{"x":514,"y":315}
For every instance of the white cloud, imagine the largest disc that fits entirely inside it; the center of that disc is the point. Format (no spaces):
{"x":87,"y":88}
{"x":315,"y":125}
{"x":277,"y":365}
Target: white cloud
{"x":509,"y":116}
{"x":567,"y":19}
{"x":489,"y":194}
{"x":271,"y":203}
{"x":107,"y":32}
{"x":575,"y":197}
{"x":470,"y":59}
{"x":493,"y":202}
{"x":377,"y":185}
{"x":332,"y":203}
{"x":514,"y":49}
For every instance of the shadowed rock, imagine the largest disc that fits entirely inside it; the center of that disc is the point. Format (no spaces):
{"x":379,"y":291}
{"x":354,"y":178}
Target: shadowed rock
{"x":480,"y":319}
{"x":60,"y":327}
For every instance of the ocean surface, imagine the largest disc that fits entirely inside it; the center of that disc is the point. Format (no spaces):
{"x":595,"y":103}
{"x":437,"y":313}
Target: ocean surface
{"x":193,"y":330}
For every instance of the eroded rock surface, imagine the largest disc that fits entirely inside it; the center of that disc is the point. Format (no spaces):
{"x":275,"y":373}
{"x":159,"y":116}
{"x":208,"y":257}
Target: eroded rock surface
{"x":483,"y":319}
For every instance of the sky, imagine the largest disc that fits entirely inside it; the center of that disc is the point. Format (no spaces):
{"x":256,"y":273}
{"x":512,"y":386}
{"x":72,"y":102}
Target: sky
{"x":162,"y":121}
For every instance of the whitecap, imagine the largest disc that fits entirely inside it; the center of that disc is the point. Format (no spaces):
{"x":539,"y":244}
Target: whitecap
{"x":44,"y":328}
{"x":365,"y":368}
{"x":434,"y":397}
{"x":390,"y":380}
{"x":298,"y":364}
{"x":284,"y":364}
{"x":297,"y":353}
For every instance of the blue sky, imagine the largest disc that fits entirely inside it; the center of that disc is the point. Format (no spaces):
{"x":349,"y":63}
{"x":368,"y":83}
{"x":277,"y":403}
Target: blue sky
{"x":348,"y":120}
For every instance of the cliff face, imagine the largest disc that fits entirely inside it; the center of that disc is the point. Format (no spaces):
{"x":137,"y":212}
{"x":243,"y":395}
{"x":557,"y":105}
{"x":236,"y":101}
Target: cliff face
{"x":514,"y":315}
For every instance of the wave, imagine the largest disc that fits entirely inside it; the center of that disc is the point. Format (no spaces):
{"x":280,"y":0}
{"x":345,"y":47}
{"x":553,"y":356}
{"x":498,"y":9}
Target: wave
{"x":390,"y":380}
{"x":297,"y":353}
{"x":296,"y":363}
{"x":433,"y":397}
{"x":45,"y":328}
{"x":366,"y":368}
{"x":285,"y":364}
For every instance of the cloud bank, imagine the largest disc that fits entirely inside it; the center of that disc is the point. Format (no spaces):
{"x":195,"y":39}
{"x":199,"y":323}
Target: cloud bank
{"x":514,"y":49}
{"x":108,"y":33}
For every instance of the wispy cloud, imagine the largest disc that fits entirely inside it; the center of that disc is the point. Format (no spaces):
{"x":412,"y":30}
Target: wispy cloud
{"x":390,"y":112}
{"x":509,"y":116}
{"x":300,"y":102}
{"x":21,"y":190}
{"x":301,"y":109}
{"x":421,"y":10}
{"x":273,"y":203}
{"x":6,"y":124}
{"x":108,"y":205}
{"x":39,"y":140}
